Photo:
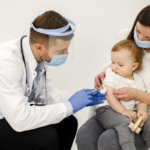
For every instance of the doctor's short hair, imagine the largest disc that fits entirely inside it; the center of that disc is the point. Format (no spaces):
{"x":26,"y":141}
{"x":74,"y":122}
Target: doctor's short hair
{"x":48,"y":20}
{"x":136,"y":52}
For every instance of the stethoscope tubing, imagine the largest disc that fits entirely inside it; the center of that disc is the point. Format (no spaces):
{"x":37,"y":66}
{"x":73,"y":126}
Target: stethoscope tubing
{"x":23,"y":58}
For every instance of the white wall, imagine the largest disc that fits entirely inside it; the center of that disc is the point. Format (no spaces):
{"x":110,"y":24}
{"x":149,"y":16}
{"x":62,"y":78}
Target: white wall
{"x":98,"y":23}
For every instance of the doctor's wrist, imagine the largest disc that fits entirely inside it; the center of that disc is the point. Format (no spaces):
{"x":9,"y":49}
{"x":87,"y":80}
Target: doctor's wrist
{"x":69,"y":108}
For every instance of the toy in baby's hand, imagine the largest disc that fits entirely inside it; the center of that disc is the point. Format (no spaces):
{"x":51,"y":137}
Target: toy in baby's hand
{"x":137,"y":126}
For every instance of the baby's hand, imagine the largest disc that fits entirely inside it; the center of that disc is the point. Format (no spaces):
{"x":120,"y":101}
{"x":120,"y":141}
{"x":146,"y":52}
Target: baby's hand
{"x":143,"y":114}
{"x":129,"y":113}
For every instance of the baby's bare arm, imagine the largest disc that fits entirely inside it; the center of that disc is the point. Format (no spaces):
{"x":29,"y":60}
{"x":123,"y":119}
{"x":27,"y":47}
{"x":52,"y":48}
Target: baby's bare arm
{"x":113,"y":101}
{"x":141,"y":107}
{"x":142,"y":111}
{"x":117,"y":106}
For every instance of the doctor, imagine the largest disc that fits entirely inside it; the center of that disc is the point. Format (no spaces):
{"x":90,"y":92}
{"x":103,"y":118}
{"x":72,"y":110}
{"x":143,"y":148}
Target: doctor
{"x":33,"y":114}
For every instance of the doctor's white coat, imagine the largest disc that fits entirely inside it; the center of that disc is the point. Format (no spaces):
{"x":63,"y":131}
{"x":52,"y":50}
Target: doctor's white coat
{"x":14,"y":105}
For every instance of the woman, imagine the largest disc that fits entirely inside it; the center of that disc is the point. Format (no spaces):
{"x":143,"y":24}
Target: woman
{"x":92,"y":136}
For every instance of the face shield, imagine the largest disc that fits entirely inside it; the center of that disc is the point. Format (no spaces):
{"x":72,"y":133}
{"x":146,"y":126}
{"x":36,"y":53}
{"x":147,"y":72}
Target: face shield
{"x":60,"y":43}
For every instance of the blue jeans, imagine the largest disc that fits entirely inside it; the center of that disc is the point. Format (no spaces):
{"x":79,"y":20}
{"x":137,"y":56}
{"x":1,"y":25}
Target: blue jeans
{"x":92,"y":136}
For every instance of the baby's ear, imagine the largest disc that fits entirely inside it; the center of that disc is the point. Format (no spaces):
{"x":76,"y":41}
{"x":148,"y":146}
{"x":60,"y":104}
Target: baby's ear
{"x":135,"y":65}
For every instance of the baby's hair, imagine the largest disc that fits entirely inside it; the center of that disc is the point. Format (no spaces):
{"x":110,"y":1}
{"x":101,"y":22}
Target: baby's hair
{"x":135,"y":51}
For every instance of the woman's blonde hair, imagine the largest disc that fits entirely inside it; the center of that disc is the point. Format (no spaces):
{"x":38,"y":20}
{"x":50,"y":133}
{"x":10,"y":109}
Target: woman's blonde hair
{"x":135,"y":51}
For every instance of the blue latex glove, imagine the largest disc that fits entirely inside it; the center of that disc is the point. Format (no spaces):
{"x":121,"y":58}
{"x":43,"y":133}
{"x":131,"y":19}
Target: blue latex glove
{"x":97,"y":98}
{"x":81,"y":99}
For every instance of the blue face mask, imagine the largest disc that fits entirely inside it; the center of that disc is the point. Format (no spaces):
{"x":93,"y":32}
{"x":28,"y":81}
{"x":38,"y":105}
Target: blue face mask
{"x":57,"y":60}
{"x":141,"y":44}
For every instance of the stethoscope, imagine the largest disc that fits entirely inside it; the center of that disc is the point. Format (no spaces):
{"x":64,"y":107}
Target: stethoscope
{"x":23,"y":58}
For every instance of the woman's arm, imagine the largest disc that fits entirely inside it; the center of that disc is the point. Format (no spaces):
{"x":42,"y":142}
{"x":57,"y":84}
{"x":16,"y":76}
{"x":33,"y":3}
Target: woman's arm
{"x":100,"y":77}
{"x":142,"y":96}
{"x":128,"y":93}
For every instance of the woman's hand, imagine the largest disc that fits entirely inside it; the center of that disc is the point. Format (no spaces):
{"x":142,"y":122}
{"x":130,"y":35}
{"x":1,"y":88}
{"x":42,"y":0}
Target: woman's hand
{"x":143,"y":114}
{"x":98,"y":80}
{"x":125,"y":93}
{"x":129,"y":113}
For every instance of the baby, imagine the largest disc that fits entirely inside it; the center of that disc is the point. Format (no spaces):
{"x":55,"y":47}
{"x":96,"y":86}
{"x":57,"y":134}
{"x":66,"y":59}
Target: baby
{"x":126,"y":61}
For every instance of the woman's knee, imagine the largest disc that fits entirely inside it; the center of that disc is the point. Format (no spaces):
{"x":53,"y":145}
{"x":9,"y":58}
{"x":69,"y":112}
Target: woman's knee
{"x":88,"y":135}
{"x":109,"y":140}
{"x":84,"y":132}
{"x":81,"y":138}
{"x":85,"y":141}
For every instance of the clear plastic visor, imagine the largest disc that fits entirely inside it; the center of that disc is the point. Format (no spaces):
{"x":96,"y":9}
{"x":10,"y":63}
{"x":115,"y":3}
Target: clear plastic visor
{"x":61,"y":46}
{"x":60,"y":42}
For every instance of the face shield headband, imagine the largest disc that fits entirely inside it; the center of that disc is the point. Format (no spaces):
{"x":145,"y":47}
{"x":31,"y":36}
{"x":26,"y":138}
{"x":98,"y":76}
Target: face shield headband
{"x":56,"y":32}
{"x":57,"y":60}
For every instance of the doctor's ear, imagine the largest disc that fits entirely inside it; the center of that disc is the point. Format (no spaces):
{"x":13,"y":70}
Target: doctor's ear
{"x":135,"y":66}
{"x":39,"y":48}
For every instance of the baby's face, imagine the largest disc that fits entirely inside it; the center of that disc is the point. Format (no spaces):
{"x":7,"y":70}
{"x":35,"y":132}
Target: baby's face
{"x":122,"y":63}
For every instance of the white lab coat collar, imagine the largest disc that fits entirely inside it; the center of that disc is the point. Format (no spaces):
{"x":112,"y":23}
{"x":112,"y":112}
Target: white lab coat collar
{"x":30,"y":60}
